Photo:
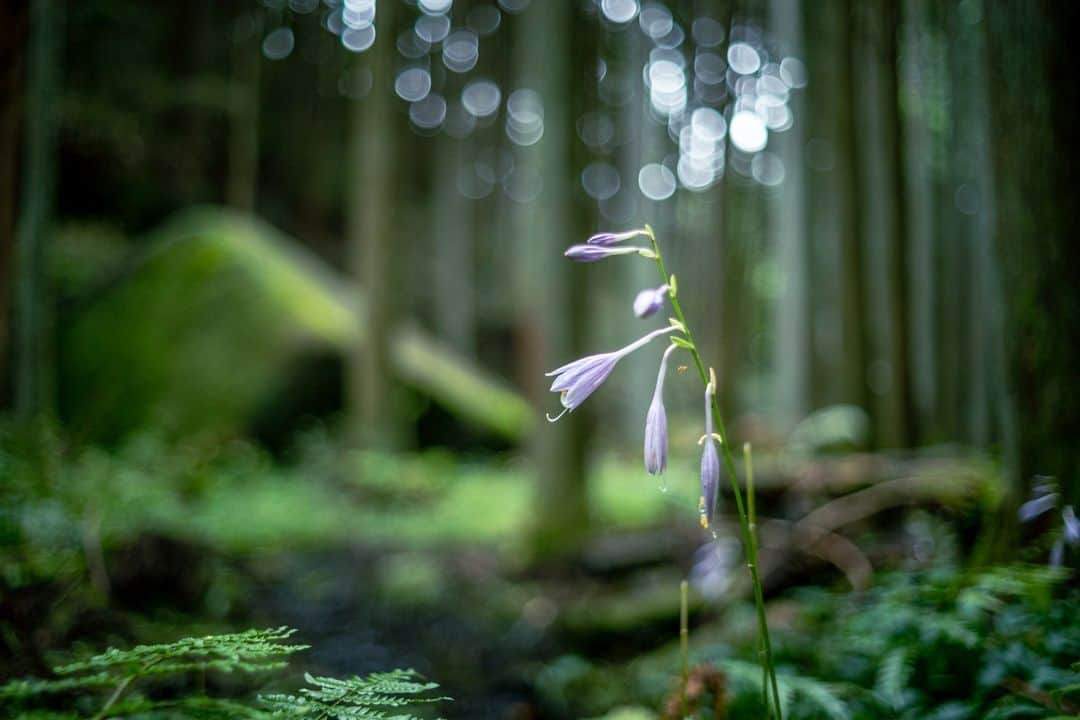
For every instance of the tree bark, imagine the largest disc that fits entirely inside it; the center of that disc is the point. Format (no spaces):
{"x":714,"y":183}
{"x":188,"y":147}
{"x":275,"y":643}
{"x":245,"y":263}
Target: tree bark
{"x":12,"y":67}
{"x":242,"y":181}
{"x":1035,"y":98}
{"x":373,"y":242}
{"x":550,"y":289}
{"x":34,"y":376}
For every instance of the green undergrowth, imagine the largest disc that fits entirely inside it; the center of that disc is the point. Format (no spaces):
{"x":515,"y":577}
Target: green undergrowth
{"x":60,"y":502}
{"x":191,"y":679}
{"x":937,"y":643}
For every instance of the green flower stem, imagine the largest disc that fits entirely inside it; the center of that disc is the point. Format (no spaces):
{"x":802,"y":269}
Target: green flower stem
{"x":729,"y":464}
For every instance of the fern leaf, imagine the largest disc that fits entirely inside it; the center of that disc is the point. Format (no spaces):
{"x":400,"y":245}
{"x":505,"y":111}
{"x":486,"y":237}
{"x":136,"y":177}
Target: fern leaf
{"x":357,"y":698}
{"x":893,"y":676}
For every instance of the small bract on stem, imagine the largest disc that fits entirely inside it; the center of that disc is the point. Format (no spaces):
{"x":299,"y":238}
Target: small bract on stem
{"x":579,"y":379}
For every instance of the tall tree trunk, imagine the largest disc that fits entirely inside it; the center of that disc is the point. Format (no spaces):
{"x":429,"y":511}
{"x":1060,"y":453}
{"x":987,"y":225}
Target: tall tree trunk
{"x":919,"y":211}
{"x":243,"y":172}
{"x":551,"y":289}
{"x":12,"y":44}
{"x":1035,"y":98}
{"x":791,"y":323}
{"x":453,"y":258}
{"x":34,"y":378}
{"x":838,"y":370}
{"x":373,"y":242}
{"x":882,"y":221}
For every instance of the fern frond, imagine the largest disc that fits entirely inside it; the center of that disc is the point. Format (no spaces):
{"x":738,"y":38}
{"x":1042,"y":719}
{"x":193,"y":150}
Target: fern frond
{"x":250,"y":651}
{"x":29,"y":687}
{"x":356,"y":698}
{"x":893,"y":676}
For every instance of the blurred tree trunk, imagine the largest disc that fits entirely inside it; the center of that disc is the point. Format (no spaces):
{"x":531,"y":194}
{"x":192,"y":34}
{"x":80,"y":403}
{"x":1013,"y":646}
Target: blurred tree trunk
{"x":12,"y":67}
{"x":1035,"y":97}
{"x":34,"y":378}
{"x":882,"y":220}
{"x":552,"y":289}
{"x":242,"y":181}
{"x":838,"y":370}
{"x":970,"y":207}
{"x":792,"y":317}
{"x":914,"y":90}
{"x":372,"y":241}
{"x":453,"y":258}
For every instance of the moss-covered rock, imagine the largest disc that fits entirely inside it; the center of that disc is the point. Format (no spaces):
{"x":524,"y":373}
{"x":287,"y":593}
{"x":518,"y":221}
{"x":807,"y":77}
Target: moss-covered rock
{"x":214,"y":318}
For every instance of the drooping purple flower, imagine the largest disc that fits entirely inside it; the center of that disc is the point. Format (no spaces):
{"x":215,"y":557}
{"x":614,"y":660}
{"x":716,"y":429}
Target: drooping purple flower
{"x":710,"y":466}
{"x":610,"y":238}
{"x":649,"y":300}
{"x":656,"y":435}
{"x":577,"y":380}
{"x":592,"y":253}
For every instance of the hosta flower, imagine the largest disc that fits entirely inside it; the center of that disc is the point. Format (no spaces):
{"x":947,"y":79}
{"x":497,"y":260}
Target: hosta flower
{"x":656,"y":436}
{"x":578,"y":380}
{"x":609,"y":238}
{"x":649,"y":300}
{"x":710,"y":465}
{"x":592,"y":253}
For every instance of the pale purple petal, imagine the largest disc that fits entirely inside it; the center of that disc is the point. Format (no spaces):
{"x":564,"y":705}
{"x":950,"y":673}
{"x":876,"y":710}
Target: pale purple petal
{"x":592,"y":253}
{"x":1072,"y":525}
{"x":650,"y":300}
{"x":710,"y":480}
{"x":1034,"y":508}
{"x":577,"y":380}
{"x":710,"y":466}
{"x":607,"y":239}
{"x":656,"y":432}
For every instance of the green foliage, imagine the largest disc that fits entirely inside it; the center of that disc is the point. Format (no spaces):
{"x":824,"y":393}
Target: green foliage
{"x":943,"y":643}
{"x":85,"y":684}
{"x":358,"y":698}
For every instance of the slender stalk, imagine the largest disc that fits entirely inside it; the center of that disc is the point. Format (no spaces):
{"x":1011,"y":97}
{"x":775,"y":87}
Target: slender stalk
{"x":104,"y":711}
{"x":684,"y":641}
{"x":121,"y":688}
{"x":729,"y":464}
{"x":748,"y":463}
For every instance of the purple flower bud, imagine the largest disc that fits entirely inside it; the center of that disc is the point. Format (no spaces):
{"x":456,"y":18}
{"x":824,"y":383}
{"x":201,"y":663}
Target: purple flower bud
{"x":650,"y":300}
{"x":608,"y":238}
{"x":656,"y":435}
{"x":710,"y":466}
{"x":592,"y":253}
{"x":577,"y":380}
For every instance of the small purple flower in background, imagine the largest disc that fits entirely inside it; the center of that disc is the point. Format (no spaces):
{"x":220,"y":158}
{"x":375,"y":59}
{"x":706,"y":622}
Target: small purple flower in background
{"x":656,"y":436}
{"x":577,"y":380}
{"x":710,"y":466}
{"x":649,"y":300}
{"x":1044,"y":499}
{"x":609,"y":238}
{"x":592,"y":253}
